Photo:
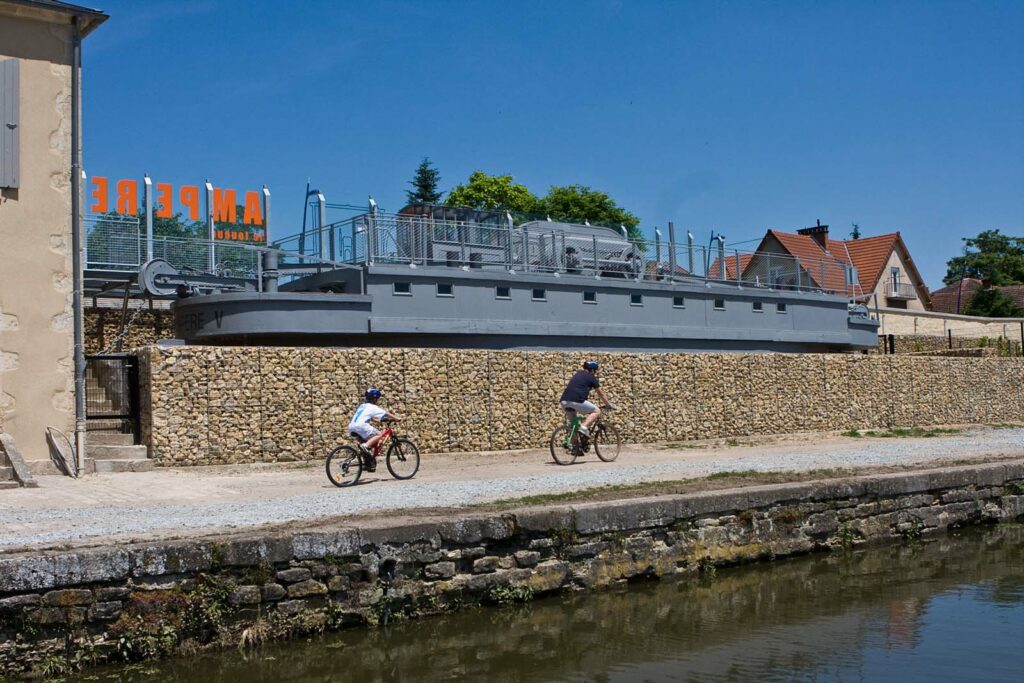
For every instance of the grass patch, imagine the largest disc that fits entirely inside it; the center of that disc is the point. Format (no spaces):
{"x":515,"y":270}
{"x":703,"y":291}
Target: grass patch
{"x":854,"y":433}
{"x":1004,"y":425}
{"x":683,"y":446}
{"x":907,"y":432}
{"x":716,"y":481}
{"x":733,"y":474}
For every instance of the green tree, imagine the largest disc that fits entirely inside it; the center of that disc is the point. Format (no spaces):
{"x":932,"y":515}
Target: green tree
{"x":174,"y":227}
{"x":992,"y":303}
{"x":495,"y":192}
{"x":995,"y":258}
{"x":424,"y":184}
{"x":855,"y":233}
{"x":578,"y":203}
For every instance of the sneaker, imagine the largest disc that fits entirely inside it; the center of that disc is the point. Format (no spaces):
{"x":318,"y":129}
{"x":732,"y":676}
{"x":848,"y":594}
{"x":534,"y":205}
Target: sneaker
{"x":585,"y":431}
{"x":365,"y":449}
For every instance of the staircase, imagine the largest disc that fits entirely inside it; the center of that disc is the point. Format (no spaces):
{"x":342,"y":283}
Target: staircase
{"x":107,"y":451}
{"x":109,"y":407}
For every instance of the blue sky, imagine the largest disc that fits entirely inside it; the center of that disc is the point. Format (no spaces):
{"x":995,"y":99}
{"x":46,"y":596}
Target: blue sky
{"x":726,"y":116}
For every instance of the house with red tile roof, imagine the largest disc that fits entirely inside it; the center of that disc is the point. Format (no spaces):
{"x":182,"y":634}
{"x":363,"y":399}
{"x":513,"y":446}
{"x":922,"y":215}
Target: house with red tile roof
{"x":862,"y":268}
{"x":715,"y":269}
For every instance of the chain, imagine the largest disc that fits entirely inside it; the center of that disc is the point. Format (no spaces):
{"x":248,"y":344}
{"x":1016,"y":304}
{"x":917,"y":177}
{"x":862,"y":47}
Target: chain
{"x":124,"y":333}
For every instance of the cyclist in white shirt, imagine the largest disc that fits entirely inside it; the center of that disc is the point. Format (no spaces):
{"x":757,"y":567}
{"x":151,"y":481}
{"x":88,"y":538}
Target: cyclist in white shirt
{"x":360,"y":425}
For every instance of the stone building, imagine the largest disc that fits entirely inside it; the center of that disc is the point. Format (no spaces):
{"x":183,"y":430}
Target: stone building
{"x":38,"y":40}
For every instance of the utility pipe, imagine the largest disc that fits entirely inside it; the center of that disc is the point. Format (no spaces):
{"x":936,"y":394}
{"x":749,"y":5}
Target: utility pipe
{"x":76,"y":243}
{"x":672,"y":249}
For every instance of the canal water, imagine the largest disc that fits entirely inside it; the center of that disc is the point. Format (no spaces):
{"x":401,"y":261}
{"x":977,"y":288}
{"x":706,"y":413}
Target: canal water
{"x":944,"y":609}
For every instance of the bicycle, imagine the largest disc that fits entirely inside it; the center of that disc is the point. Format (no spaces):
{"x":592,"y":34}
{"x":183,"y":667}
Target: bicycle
{"x":568,"y":443}
{"x":345,"y":464}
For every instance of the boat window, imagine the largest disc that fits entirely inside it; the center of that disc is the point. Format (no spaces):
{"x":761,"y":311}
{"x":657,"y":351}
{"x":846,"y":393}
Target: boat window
{"x":636,"y":299}
{"x":758,"y":307}
{"x":502,"y":293}
{"x":589,"y":297}
{"x":401,"y":289}
{"x":540,"y":295}
{"x":719,"y":304}
{"x":445,"y":289}
{"x":781,"y":308}
{"x":678,"y":302}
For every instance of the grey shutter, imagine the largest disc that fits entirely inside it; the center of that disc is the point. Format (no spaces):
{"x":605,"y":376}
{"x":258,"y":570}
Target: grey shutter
{"x":9,"y":123}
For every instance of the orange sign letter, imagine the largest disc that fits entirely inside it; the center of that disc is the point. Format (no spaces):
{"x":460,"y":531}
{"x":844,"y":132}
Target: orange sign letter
{"x":163,"y":198}
{"x":190,"y":198}
{"x":253,"y":214}
{"x":128,"y":197}
{"x":100,"y":193}
{"x":224,"y":206}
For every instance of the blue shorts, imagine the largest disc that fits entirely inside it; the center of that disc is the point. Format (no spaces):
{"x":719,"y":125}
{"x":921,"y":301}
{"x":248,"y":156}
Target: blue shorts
{"x":586,"y":407}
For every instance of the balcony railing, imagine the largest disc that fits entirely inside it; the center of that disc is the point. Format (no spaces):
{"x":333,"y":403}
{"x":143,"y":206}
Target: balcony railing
{"x":540,"y":247}
{"x":900,"y":290}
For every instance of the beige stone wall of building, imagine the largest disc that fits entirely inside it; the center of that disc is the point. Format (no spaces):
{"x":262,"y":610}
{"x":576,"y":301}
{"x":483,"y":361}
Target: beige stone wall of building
{"x":896,"y":261}
{"x":215,"y":405}
{"x":36,"y":375}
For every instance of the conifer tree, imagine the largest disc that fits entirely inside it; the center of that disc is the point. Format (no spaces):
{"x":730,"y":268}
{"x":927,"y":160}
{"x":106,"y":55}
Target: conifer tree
{"x":424,"y":184}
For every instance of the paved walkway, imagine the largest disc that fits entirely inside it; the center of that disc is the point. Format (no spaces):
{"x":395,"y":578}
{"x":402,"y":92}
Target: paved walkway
{"x":189,"y":501}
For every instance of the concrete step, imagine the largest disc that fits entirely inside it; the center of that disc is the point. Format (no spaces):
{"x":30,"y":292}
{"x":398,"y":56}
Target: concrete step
{"x":121,"y":465}
{"x":98,"y":451}
{"x":6,"y":473}
{"x":9,"y":485}
{"x":109,"y":439}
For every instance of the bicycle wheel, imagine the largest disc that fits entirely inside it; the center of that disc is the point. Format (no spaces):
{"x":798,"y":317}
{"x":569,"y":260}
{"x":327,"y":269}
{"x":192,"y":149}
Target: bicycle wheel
{"x":607,"y":442}
{"x":562,"y":452}
{"x":344,"y":466}
{"x":403,"y":459}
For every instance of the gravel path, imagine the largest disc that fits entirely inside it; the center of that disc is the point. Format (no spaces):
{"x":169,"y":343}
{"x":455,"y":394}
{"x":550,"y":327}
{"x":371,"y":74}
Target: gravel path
{"x":184,"y":501}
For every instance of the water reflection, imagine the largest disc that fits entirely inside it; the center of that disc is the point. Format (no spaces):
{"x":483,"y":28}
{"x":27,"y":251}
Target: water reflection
{"x":947,"y":609}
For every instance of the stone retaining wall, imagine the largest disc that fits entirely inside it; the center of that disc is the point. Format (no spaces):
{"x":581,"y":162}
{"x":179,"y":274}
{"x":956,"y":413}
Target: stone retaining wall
{"x":103,"y":325}
{"x":215,"y":405}
{"x":68,"y":608}
{"x":910,"y":343}
{"x":904,"y":322}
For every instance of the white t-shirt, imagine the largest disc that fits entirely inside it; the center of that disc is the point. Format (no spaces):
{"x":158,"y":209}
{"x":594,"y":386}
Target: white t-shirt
{"x":365,"y":413}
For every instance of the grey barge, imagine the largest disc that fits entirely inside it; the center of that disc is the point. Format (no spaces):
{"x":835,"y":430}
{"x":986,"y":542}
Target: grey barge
{"x":441,"y":277}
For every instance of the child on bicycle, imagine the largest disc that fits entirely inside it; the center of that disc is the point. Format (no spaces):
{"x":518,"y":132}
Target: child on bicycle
{"x":360,"y":426}
{"x":578,"y":391}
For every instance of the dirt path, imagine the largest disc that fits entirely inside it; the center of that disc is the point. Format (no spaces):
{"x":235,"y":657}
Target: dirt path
{"x":187,"y":501}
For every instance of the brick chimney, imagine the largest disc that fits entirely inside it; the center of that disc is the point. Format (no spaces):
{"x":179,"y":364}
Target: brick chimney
{"x":819,"y":232}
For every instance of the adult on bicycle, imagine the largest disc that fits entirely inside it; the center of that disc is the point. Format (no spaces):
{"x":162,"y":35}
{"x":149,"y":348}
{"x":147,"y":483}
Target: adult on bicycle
{"x":578,"y":391}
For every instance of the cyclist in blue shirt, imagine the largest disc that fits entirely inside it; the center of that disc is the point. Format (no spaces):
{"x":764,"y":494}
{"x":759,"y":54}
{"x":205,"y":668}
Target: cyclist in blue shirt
{"x":578,"y":391}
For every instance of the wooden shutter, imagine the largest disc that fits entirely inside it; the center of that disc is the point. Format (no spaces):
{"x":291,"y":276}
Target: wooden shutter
{"x":9,"y":123}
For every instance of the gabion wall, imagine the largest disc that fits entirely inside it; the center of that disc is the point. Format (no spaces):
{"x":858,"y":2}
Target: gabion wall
{"x":215,"y":405}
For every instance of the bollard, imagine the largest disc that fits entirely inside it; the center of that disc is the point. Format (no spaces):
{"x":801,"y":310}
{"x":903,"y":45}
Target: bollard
{"x":270,"y":271}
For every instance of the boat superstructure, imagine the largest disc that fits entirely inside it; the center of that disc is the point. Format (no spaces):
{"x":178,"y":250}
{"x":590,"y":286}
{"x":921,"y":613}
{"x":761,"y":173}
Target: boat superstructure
{"x":443,"y":277}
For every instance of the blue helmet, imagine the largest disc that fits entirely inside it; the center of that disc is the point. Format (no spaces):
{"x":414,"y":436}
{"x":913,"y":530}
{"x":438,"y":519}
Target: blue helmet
{"x":372,"y":394}
{"x":590,"y":365}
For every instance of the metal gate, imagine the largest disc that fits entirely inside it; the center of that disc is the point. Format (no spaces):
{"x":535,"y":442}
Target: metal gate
{"x":112,"y":391}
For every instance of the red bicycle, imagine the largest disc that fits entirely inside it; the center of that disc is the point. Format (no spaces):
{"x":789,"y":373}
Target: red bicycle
{"x":345,"y":464}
